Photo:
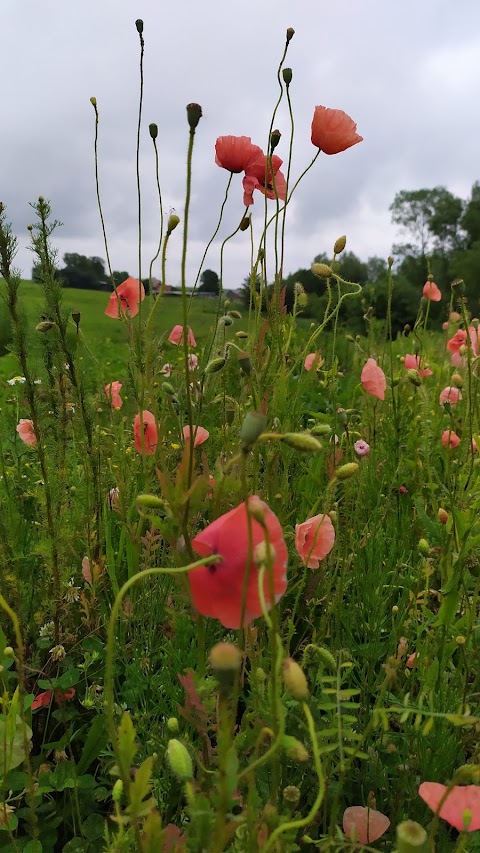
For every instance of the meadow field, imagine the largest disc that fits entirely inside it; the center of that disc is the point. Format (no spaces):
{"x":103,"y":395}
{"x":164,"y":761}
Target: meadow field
{"x":239,"y":547}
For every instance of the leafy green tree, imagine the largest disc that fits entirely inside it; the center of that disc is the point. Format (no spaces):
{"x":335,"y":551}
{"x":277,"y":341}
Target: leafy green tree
{"x":209,"y":282}
{"x":471,"y":217}
{"x":432,"y":218}
{"x":80,"y":271}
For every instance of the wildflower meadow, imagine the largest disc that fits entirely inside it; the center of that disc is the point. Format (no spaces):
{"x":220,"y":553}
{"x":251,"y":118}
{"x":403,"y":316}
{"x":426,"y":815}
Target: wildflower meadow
{"x":239,"y":550}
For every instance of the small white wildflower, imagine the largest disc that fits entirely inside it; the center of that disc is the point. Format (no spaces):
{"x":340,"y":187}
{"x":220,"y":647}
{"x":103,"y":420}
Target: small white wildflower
{"x":47,"y":631}
{"x":58,"y":653}
{"x":16,"y":380}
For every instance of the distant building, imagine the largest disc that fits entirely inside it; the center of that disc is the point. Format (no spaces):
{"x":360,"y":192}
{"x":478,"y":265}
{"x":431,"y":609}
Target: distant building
{"x":156,"y":287}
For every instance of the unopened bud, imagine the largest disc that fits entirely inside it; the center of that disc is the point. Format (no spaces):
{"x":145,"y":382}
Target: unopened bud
{"x":93,"y":102}
{"x":241,"y":334}
{"x":215,"y":365}
{"x":225,"y":320}
{"x":413,"y":377}
{"x":290,"y":34}
{"x":117,"y":791}
{"x":346,"y":471}
{"x":407,"y":328}
{"x":442,"y":515}
{"x":233,"y":313}
{"x":167,"y":388}
{"x":8,"y":652}
{"x":287,"y":76}
{"x":340,"y":244}
{"x":45,"y":326}
{"x":321,"y":429}
{"x":253,"y":425}
{"x":424,"y":547}
{"x":294,"y":679}
{"x":225,"y":657}
{"x":300,"y":295}
{"x":179,"y":760}
{"x":153,"y":129}
{"x":295,"y":749}
{"x":194,"y":114}
{"x":172,"y":725}
{"x":150,"y":502}
{"x":457,"y":380}
{"x":76,"y":317}
{"x":173,"y":221}
{"x":245,"y":223}
{"x":302,"y":441}
{"x":321,"y":270}
{"x":275,"y":137}
{"x":459,"y":285}
{"x":139,"y":26}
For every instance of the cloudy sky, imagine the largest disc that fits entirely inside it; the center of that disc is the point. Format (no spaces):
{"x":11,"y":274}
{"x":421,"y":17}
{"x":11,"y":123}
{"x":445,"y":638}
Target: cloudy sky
{"x":407,"y":71}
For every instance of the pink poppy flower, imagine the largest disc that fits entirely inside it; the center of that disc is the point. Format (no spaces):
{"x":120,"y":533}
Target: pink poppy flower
{"x":363,"y":824}
{"x":431,"y":291}
{"x":474,"y":446}
{"x":333,"y":131}
{"x":258,"y":177}
{"x":450,"y":439}
{"x":451,"y":395}
{"x":313,"y":359}
{"x":411,"y":660}
{"x":176,"y":336}
{"x":217,"y":590}
{"x":314,"y":539}
{"x":235,"y":153}
{"x":474,"y":339}
{"x":455,"y":317}
{"x":361,"y":447}
{"x":26,"y":432}
{"x":373,"y":379}
{"x":145,"y":443}
{"x":412,"y":362}
{"x":166,"y":370}
{"x":200,"y":434}
{"x":445,"y":326}
{"x":458,"y":340}
{"x":127,"y":297}
{"x":113,"y":394}
{"x":461,"y":808}
{"x":44,"y":699}
{"x":192,"y":361}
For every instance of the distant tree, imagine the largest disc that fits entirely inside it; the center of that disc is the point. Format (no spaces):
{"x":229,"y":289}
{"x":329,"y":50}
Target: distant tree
{"x":376,"y":268}
{"x":209,"y":282}
{"x":432,"y":218}
{"x":471,"y":217}
{"x":118,"y":277}
{"x":351,"y":268}
{"x":80,"y":271}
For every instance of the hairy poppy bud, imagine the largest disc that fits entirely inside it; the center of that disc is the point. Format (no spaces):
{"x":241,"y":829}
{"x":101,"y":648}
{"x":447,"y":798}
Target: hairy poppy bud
{"x":179,"y":760}
{"x":294,"y":679}
{"x":194,"y":114}
{"x":413,"y":377}
{"x":117,"y":791}
{"x":459,"y":285}
{"x":93,"y":101}
{"x":424,"y":547}
{"x":153,"y":130}
{"x":295,"y":749}
{"x":321,"y":270}
{"x":234,"y":313}
{"x":346,"y":471}
{"x":340,"y":244}
{"x":150,"y":502}
{"x":275,"y":137}
{"x":167,"y":388}
{"x":287,"y":76}
{"x":253,"y":425}
{"x":226,"y":661}
{"x":302,"y":441}
{"x":225,"y":320}
{"x":172,"y":725}
{"x":215,"y":365}
{"x":457,"y":380}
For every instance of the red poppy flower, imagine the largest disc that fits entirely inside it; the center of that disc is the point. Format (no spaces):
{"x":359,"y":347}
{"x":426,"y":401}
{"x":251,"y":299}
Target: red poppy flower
{"x":450,"y":439}
{"x":431,"y":291}
{"x":26,"y":431}
{"x":126,"y":298}
{"x":461,"y":808}
{"x":217,"y":590}
{"x":260,"y":176}
{"x":176,"y":336}
{"x":451,"y":395}
{"x":457,"y":341}
{"x":44,"y":699}
{"x":333,"y":131}
{"x":313,"y":359}
{"x":373,"y":379}
{"x":412,"y":362}
{"x":363,"y":824}
{"x":200,"y":434}
{"x":314,"y":539}
{"x":112,"y":391}
{"x":235,"y":153}
{"x":145,"y":443}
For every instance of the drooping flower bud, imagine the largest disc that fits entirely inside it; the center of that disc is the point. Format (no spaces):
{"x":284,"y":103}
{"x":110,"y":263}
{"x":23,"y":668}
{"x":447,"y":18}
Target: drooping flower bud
{"x":346,"y":471}
{"x":44,"y":326}
{"x":423,"y":547}
{"x":117,"y":791}
{"x":302,"y":441}
{"x":290,"y":34}
{"x":173,"y":221}
{"x":139,"y":26}
{"x":295,"y":749}
{"x":93,"y":101}
{"x":275,"y":137}
{"x":253,"y":425}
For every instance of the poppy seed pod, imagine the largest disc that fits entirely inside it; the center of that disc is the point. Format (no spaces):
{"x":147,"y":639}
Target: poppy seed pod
{"x":253,"y":425}
{"x":346,"y":471}
{"x":411,"y":837}
{"x":194,"y":114}
{"x":153,"y":130}
{"x":76,"y":316}
{"x":139,"y":26}
{"x":173,"y":221}
{"x":287,"y":76}
{"x":275,"y":137}
{"x":295,"y":749}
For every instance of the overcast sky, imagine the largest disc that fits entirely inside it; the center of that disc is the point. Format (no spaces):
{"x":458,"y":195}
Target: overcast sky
{"x":407,"y":71}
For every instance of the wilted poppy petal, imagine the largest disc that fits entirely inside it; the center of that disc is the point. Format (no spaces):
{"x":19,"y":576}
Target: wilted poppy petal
{"x":26,"y":432}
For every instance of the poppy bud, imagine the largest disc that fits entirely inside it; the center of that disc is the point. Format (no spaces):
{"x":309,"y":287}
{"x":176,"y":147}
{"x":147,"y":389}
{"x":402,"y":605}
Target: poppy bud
{"x":179,"y":760}
{"x":459,"y":285}
{"x":194,"y":114}
{"x":424,"y":547}
{"x":300,"y":294}
{"x":294,"y":679}
{"x":321,"y":429}
{"x":321,"y":270}
{"x":172,"y":725}
{"x":167,"y":388}
{"x":287,"y":76}
{"x":350,"y":339}
{"x":44,"y":326}
{"x":150,"y":502}
{"x":291,"y":794}
{"x":256,"y":509}
{"x":225,"y":320}
{"x":442,"y":515}
{"x":8,"y":652}
{"x":253,"y":425}
{"x":226,"y":661}
{"x":93,"y":102}
{"x":153,"y":129}
{"x":215,"y":365}
{"x":275,"y":137}
{"x":117,"y":791}
{"x":295,"y":749}
{"x":346,"y":471}
{"x":430,"y":277}
{"x":76,"y":317}
{"x":302,"y":441}
{"x":139,"y":26}
{"x":340,"y":244}
{"x":173,"y":221}
{"x":457,"y":380}
{"x":290,"y":34}
{"x":245,"y":224}
{"x":411,"y":837}
{"x":235,"y":314}
{"x":413,"y":377}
